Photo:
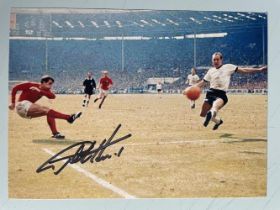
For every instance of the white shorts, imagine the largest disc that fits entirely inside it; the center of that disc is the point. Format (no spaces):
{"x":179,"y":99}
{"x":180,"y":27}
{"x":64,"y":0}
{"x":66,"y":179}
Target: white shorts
{"x":22,"y":108}
{"x":103,"y":92}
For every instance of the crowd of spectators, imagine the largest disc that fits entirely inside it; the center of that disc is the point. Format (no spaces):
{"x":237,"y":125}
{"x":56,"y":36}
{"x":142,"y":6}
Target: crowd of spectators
{"x":132,"y":62}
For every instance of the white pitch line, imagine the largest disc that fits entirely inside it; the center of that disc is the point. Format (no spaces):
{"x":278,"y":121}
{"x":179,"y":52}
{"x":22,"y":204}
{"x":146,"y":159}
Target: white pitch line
{"x":177,"y":142}
{"x":214,"y":141}
{"x":96,"y":179}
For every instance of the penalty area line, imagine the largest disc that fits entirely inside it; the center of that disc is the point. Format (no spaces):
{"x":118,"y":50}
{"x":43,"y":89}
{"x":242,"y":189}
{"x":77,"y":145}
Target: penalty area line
{"x":94,"y":178}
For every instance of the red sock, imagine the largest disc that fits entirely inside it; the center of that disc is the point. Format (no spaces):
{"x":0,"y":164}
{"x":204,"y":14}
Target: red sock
{"x":55,"y":114}
{"x":51,"y":122}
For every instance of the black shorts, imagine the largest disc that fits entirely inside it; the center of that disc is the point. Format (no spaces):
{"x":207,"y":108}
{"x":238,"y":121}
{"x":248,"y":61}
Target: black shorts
{"x":158,"y":90}
{"x":88,"y":91}
{"x":213,"y":94}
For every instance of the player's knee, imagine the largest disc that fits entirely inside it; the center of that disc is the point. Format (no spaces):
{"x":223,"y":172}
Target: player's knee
{"x":202,"y":114}
{"x":45,"y":109}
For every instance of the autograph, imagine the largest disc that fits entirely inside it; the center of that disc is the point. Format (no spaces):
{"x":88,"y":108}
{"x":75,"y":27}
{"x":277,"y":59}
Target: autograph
{"x":83,"y":155}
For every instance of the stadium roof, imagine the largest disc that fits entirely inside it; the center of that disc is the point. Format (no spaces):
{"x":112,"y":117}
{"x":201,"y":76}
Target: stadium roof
{"x":69,"y":11}
{"x":163,"y":80}
{"x":109,"y":22}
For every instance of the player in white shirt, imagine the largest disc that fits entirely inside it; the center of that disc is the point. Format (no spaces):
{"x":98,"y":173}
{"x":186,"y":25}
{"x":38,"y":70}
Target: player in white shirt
{"x":159,"y":87}
{"x":192,"y":79}
{"x":219,"y":78}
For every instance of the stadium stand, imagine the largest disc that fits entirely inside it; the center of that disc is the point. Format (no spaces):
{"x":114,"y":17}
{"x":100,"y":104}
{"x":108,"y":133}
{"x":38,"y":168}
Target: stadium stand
{"x":134,"y":46}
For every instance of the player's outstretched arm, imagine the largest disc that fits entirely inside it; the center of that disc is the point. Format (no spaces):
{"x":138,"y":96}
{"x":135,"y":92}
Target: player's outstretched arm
{"x":251,"y":70}
{"x":49,"y":94}
{"x":201,"y":83}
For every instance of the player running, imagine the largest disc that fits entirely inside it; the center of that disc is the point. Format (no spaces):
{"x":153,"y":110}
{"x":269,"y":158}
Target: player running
{"x":219,"y":78}
{"x":192,"y":79}
{"x":90,"y":86}
{"x":27,"y":108}
{"x":105,"y":83}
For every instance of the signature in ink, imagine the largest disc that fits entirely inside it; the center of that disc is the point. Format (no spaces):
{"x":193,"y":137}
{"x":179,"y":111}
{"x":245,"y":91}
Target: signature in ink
{"x":84,"y":154}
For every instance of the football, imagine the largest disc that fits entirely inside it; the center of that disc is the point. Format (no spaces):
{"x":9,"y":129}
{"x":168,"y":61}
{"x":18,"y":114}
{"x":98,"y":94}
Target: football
{"x":192,"y":92}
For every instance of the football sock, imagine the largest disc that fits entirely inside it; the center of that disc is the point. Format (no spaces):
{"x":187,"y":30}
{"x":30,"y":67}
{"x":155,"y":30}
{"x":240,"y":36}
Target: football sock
{"x":103,"y":99}
{"x":214,"y":118}
{"x":51,"y":122}
{"x":55,"y":114}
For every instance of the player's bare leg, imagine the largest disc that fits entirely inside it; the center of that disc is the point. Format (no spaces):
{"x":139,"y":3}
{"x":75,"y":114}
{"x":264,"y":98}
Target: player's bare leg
{"x":100,"y":96}
{"x":84,"y":101}
{"x":103,"y":99}
{"x":217,"y":105}
{"x":192,"y":104}
{"x":88,"y":100}
{"x":205,"y":112}
{"x":212,"y":113}
{"x":36,"y":110}
{"x":205,"y":108}
{"x":95,"y":100}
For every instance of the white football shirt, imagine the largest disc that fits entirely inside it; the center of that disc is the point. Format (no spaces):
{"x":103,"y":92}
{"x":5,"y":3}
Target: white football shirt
{"x":220,"y":78}
{"x":193,"y":79}
{"x":159,"y":86}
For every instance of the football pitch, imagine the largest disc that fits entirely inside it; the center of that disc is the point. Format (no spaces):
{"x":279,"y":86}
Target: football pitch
{"x":170,"y":153}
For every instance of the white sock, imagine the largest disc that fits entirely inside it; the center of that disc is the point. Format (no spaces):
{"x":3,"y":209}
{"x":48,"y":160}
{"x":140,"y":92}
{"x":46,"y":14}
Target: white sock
{"x":214,"y":118}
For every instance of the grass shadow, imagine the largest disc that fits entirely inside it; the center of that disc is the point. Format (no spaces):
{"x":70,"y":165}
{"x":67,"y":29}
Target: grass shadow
{"x":252,"y":153}
{"x":247,"y":140}
{"x":228,"y":136}
{"x":55,"y":141}
{"x":254,"y":140}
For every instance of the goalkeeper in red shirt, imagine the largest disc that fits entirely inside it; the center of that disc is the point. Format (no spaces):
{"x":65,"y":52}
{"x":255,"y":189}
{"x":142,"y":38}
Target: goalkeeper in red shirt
{"x":26,"y":106}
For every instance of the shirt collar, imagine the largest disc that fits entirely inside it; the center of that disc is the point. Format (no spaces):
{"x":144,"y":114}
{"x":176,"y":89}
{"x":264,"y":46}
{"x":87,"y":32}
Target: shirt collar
{"x":220,"y":66}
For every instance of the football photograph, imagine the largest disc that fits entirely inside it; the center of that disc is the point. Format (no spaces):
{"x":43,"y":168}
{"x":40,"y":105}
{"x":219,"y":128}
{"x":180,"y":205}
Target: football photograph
{"x":123,"y":103}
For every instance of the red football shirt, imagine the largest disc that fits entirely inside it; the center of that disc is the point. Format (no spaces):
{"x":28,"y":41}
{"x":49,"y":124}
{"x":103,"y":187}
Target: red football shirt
{"x":30,"y":95}
{"x":105,"y":82}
